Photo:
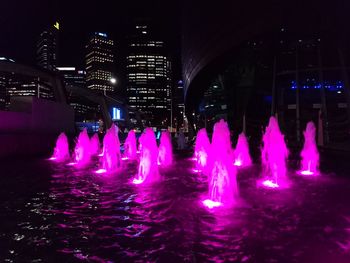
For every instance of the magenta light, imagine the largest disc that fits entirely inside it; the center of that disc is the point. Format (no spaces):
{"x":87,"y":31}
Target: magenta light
{"x":61,"y":151}
{"x":222,"y":178}
{"x":306,"y":172}
{"x":100,"y":155}
{"x":125,"y":158}
{"x":201,"y":151}
{"x":242,"y":156}
{"x":130,"y":149}
{"x":270,"y":184}
{"x":101,"y":171}
{"x":211,"y":204}
{"x":111,"y":159}
{"x":274,"y":154}
{"x":94,"y":144}
{"x":238,"y":163}
{"x":165,"y":151}
{"x":196,"y":170}
{"x":82,"y":151}
{"x":71,"y":164}
{"x":309,"y":155}
{"x":148,"y":168}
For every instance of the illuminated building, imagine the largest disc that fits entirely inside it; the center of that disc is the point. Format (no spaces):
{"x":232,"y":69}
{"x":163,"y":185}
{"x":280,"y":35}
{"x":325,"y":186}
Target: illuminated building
{"x":99,"y":61}
{"x":83,"y":108}
{"x":148,"y":72}
{"x":47,"y":48}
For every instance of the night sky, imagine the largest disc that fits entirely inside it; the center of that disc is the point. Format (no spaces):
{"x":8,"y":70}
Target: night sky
{"x":21,"y":22}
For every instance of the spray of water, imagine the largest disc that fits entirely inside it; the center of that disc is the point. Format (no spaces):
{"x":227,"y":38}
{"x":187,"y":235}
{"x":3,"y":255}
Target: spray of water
{"x":309,"y":154}
{"x":61,"y":151}
{"x":130,"y":146}
{"x":165,"y":151}
{"x":242,"y":156}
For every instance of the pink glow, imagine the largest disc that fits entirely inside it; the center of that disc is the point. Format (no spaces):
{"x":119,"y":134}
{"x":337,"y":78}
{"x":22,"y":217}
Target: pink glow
{"x":82,"y":151}
{"x":95,"y":144}
{"x":196,"y":170}
{"x":211,"y":204}
{"x":111,"y":159}
{"x":148,"y":168}
{"x":125,"y":158}
{"x":222,"y":179}
{"x":71,"y":164}
{"x":242,"y":156}
{"x":61,"y":151}
{"x":165,"y":151}
{"x":270,"y":184}
{"x":309,"y":154}
{"x":130,"y":146}
{"x":274,"y":154}
{"x":201,"y":151}
{"x":101,"y":171}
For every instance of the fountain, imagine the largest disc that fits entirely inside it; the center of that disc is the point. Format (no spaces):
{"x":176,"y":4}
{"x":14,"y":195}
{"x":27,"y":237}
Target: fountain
{"x":130,"y":146}
{"x":82,"y":151}
{"x":201,"y":151}
{"x":165,"y":151}
{"x":148,"y":167}
{"x":61,"y":151}
{"x":309,"y":154}
{"x":242,"y":156}
{"x":274,"y":154}
{"x":95,"y":144}
{"x":223,"y":188}
{"x":111,"y":159}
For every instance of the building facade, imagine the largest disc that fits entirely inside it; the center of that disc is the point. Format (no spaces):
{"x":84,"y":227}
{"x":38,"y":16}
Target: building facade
{"x":148,"y":73}
{"x":47,"y":48}
{"x":99,"y":61}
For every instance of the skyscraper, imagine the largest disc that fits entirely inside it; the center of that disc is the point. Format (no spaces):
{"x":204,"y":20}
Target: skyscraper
{"x":148,"y":72}
{"x":100,"y":63}
{"x":47,"y":48}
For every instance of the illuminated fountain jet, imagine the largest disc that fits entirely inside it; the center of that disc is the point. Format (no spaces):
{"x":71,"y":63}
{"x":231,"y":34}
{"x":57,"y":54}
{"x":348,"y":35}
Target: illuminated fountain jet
{"x":274,"y":154}
{"x":201,"y":151}
{"x":165,"y":151}
{"x":242,"y":156}
{"x":130,"y":146}
{"x":61,"y":151}
{"x":148,"y":167}
{"x":111,"y":159}
{"x":95,"y":144}
{"x":82,"y":151}
{"x":223,"y":188}
{"x":309,"y":154}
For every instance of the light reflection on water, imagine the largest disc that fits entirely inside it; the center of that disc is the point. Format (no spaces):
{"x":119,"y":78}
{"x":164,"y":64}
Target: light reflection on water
{"x":63,"y":213}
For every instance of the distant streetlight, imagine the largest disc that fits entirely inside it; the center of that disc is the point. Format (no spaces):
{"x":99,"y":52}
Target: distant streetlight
{"x":113,"y":80}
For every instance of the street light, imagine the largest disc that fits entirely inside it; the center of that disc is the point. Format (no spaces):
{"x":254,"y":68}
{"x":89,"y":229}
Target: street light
{"x":113,"y":80}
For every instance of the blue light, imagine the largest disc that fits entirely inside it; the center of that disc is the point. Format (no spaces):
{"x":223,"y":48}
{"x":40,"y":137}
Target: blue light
{"x":116,"y":114}
{"x":102,"y":34}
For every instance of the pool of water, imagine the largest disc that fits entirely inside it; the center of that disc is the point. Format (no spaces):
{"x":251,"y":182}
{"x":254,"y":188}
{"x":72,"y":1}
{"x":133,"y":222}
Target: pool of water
{"x":55,"y":213}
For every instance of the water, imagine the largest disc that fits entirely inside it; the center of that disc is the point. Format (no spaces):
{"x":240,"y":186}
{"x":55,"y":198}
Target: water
{"x":148,"y":167}
{"x":222,"y":184}
{"x":181,"y":141}
{"x":309,"y":154}
{"x":55,"y":213}
{"x":242,"y":156}
{"x":82,"y":151}
{"x":130,"y":146}
{"x":61,"y":151}
{"x":165,"y":151}
{"x":201,"y":151}
{"x":111,"y":159}
{"x":95,"y":144}
{"x":274,"y":154}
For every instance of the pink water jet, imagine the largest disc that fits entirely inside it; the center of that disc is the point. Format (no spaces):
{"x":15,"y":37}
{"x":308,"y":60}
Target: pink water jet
{"x":130,"y":146}
{"x":95,"y":144}
{"x":165,"y":151}
{"x":309,"y":154}
{"x":111,"y":159}
{"x":201,"y":151}
{"x":223,"y":188}
{"x":242,"y":156}
{"x":61,"y":151}
{"x":82,"y":151}
{"x":148,"y":168}
{"x":274,"y":154}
